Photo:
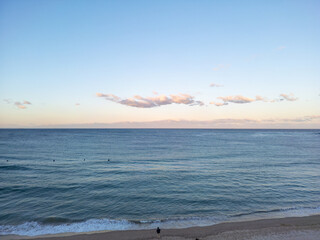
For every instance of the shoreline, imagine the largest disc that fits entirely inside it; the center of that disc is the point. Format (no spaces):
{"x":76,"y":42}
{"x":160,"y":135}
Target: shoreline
{"x":274,"y":228}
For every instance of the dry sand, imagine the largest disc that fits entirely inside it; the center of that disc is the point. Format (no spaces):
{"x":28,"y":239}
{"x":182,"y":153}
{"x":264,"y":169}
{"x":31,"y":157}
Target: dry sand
{"x":291,"y":228}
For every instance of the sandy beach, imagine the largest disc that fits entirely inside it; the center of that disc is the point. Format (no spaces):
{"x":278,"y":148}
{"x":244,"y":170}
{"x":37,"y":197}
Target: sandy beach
{"x":293,"y":228}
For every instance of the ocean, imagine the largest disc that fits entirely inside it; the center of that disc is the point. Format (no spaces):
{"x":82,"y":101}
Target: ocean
{"x":79,"y":180}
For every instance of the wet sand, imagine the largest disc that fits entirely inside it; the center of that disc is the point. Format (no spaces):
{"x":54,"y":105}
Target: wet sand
{"x":293,"y":228}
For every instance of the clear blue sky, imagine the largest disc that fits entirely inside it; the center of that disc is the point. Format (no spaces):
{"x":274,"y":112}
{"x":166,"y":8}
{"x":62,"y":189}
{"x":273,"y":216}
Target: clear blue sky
{"x":155,"y":61}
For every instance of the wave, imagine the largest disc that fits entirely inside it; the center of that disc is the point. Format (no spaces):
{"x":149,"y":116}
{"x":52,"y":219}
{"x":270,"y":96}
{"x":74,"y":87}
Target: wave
{"x":54,"y":225}
{"x":57,"y":220}
{"x":288,"y":212}
{"x":36,"y":228}
{"x":13,"y":167}
{"x":8,"y":157}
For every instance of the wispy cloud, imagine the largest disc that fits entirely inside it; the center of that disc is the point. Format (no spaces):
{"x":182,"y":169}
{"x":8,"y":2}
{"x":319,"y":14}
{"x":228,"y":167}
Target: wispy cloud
{"x":241,"y":99}
{"x":150,"y":102}
{"x":221,"y":66}
{"x":253,"y":57}
{"x":20,"y":105}
{"x":9,"y":101}
{"x":282,"y":97}
{"x":259,"y":98}
{"x":236,"y":99}
{"x":281,"y":48}
{"x":215,"y":85}
{"x":293,"y":120}
{"x":219,"y":104}
{"x":289,"y":97}
{"x":303,"y":121}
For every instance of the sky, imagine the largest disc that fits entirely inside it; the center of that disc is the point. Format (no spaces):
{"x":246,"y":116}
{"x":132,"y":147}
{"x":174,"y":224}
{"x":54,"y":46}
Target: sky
{"x":179,"y":64}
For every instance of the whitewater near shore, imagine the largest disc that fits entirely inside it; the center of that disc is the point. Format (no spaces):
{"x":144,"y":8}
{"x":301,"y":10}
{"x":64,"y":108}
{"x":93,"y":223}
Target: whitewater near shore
{"x":79,"y":181}
{"x":293,"y":228}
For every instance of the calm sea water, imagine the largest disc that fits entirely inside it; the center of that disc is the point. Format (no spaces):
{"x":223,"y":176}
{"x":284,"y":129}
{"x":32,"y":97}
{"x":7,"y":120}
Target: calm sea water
{"x":54,"y":181}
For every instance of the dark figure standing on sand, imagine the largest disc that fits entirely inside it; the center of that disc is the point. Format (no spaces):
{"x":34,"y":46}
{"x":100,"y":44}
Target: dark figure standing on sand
{"x":158,"y":231}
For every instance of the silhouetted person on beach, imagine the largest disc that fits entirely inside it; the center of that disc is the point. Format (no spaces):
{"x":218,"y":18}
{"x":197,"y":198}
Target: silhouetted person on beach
{"x":158,"y":231}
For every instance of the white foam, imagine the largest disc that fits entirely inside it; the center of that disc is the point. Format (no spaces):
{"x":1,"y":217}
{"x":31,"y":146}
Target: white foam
{"x":300,"y":212}
{"x":34,"y":228}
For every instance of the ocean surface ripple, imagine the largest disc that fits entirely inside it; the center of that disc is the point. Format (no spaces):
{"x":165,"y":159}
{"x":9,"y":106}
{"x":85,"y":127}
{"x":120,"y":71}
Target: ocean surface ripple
{"x":78,"y":180}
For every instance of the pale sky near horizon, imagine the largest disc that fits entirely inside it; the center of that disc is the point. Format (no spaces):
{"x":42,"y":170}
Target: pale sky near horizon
{"x":238,"y":64}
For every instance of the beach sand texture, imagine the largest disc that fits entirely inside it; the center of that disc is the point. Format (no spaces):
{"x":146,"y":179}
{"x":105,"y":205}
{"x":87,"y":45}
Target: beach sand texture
{"x":291,"y":228}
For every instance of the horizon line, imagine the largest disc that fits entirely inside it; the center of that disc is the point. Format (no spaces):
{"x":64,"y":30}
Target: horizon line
{"x":164,"y":128}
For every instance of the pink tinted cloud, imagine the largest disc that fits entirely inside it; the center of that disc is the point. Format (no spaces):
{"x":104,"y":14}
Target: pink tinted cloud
{"x":215,"y":123}
{"x":218,"y":104}
{"x":237,"y":99}
{"x":289,"y":97}
{"x":20,"y":105}
{"x":241,"y":99}
{"x":150,"y":102}
{"x":259,"y":98}
{"x":215,"y":85}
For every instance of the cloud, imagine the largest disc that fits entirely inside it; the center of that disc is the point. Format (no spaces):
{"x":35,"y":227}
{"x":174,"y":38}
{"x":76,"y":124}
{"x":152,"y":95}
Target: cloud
{"x":241,"y":99}
{"x":263,"y":99}
{"x":289,"y":97}
{"x":20,"y":105}
{"x":295,"y":120}
{"x":259,"y":98}
{"x":303,"y":119}
{"x":300,"y":122}
{"x":237,"y":99}
{"x":150,"y":102}
{"x":9,"y":101}
{"x":219,"y":104}
{"x":221,"y":66}
{"x":281,"y":48}
{"x":253,"y":57}
{"x":215,"y":85}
